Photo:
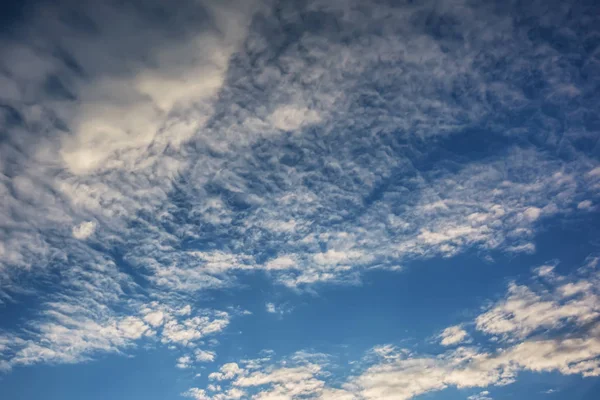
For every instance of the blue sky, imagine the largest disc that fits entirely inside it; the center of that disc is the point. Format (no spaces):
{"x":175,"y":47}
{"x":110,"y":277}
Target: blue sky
{"x":222,"y":200}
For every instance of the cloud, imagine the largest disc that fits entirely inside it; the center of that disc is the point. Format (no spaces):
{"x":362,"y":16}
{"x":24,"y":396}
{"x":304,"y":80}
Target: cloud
{"x":387,"y":352}
{"x":102,"y":138}
{"x":119,"y":119}
{"x":524,"y":311}
{"x":226,"y":372}
{"x":204,"y":355}
{"x":122,"y":110}
{"x":184,"y":146}
{"x":84,"y":230}
{"x":291,"y":118}
{"x":300,"y":379}
{"x":71,"y":333}
{"x":67,"y":337}
{"x":271,"y":308}
{"x":279,"y":263}
{"x":280,"y":309}
{"x":155,"y":318}
{"x":453,"y":335}
{"x":199,"y":356}
{"x":545,"y":329}
{"x":162,"y":140}
{"x":200,"y":394}
{"x":585,"y":205}
{"x":192,"y":329}
{"x":532,"y":213}
{"x":196,"y":393}
{"x":178,"y":79}
{"x":184,"y":362}
{"x":484,"y":395}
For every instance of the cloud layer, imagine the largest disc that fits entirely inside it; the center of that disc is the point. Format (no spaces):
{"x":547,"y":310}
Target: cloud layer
{"x":153,"y":154}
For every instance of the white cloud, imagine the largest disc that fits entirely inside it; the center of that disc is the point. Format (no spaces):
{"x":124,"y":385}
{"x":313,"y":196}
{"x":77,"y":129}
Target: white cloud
{"x":132,"y":327}
{"x":204,"y":355}
{"x":532,"y":213}
{"x":521,"y":314}
{"x":281,"y":262}
{"x":387,"y":351}
{"x":463,"y":368}
{"x":545,"y":270}
{"x":192,"y":329}
{"x":196,"y":394}
{"x":335,"y":257}
{"x":289,"y":382}
{"x":484,"y":395}
{"x":71,"y":332}
{"x":71,"y":337}
{"x":200,"y":356}
{"x":585,"y":205}
{"x":594,"y":172}
{"x":226,"y":372}
{"x":155,"y":318}
{"x":280,"y":309}
{"x":410,"y":375}
{"x":185,"y":310}
{"x":127,"y":110}
{"x":271,"y":308}
{"x":119,"y":119}
{"x":532,"y":319}
{"x":453,"y":335}
{"x":156,"y":117}
{"x":525,"y":311}
{"x":527,"y":248}
{"x":84,"y":230}
{"x":200,"y":394}
{"x":292,"y":117}
{"x":145,"y":99}
{"x":184,"y":362}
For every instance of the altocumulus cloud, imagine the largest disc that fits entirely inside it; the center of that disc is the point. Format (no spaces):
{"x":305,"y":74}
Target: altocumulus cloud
{"x":540,"y":344}
{"x":156,"y":153}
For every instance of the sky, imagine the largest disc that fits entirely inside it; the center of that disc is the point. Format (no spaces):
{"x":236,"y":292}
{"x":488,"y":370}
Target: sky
{"x":303,"y":199}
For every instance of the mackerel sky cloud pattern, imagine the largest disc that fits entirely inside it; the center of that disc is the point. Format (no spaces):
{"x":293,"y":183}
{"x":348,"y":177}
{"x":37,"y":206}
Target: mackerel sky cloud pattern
{"x":307,"y":199}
